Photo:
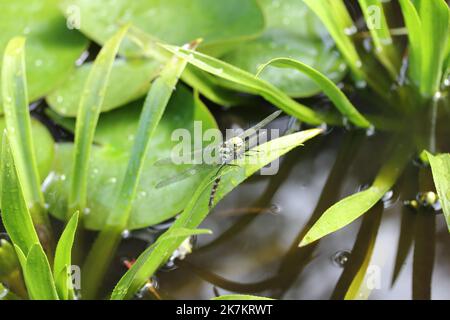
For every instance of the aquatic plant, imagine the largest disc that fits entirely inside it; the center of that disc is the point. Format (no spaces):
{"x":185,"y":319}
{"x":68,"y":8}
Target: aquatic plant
{"x":388,"y":79}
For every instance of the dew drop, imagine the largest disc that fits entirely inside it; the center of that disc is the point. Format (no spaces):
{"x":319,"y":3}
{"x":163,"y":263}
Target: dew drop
{"x":59,"y":99}
{"x":350,"y":30}
{"x":126,"y":234}
{"x":62,"y":177}
{"x":3,"y":293}
{"x":370,"y":132}
{"x":113,"y":180}
{"x":86,"y":211}
{"x":340,"y":258}
{"x":275,"y":209}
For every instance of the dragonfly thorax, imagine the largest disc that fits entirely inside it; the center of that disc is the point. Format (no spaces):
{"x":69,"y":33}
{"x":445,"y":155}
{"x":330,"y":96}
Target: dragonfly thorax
{"x":231,"y":150}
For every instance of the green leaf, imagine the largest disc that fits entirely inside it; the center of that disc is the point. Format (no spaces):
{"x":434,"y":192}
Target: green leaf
{"x":91,"y":102}
{"x":52,"y":48}
{"x":334,"y":15}
{"x":328,"y":87}
{"x":63,"y":257}
{"x":15,"y":104}
{"x":43,"y":144}
{"x":414,"y":26}
{"x":114,"y":134}
{"x":294,"y":16}
{"x":379,"y":29}
{"x":294,"y":31}
{"x":351,"y":208}
{"x":15,"y":215}
{"x":217,"y":22}
{"x":428,"y":24}
{"x":282,"y":43}
{"x":435,"y":31}
{"x":198,"y":208}
{"x":248,"y":82}
{"x":440,"y":166}
{"x":8,"y":260}
{"x":236,"y":297}
{"x":38,"y":276}
{"x":137,"y":74}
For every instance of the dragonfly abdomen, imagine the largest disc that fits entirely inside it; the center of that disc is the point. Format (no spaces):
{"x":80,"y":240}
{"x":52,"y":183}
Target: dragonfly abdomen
{"x":212,"y":196}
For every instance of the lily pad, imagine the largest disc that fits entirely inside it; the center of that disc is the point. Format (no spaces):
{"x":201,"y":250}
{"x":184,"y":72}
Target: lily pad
{"x":294,"y":32}
{"x":43,"y":146}
{"x":175,"y":21}
{"x":51,"y":48}
{"x":129,"y":80}
{"x":114,"y":138}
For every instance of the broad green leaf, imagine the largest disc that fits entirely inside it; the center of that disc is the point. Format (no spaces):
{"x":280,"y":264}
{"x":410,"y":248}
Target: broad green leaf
{"x":136,"y":75}
{"x":250,"y":83}
{"x":63,"y":258}
{"x":335,"y":17}
{"x":440,"y":165}
{"x":52,"y":48}
{"x":18,"y":124}
{"x":351,"y":208}
{"x":91,"y":101}
{"x":294,"y":16}
{"x":15,"y":215}
{"x":294,"y":31}
{"x":435,"y":31}
{"x":328,"y":87}
{"x":379,"y":29}
{"x":236,"y":297}
{"x":43,"y":144}
{"x":214,"y":21}
{"x":198,"y":208}
{"x":114,"y":134}
{"x":282,"y":43}
{"x":38,"y":276}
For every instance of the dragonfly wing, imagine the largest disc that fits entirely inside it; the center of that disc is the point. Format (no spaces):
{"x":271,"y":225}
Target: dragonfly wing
{"x":177,"y":178}
{"x":252,"y":131}
{"x":197,"y":154}
{"x":193,"y":170}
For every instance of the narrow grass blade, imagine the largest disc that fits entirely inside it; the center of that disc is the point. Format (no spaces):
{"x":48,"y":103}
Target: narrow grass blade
{"x":414,"y":26}
{"x":253,"y":85}
{"x":329,"y":88}
{"x":435,"y":33}
{"x":236,"y":297}
{"x":15,"y":104}
{"x":154,"y":107}
{"x":440,"y":166}
{"x":63,"y":259}
{"x":198,"y":208}
{"x":351,"y":208}
{"x":335,"y":17}
{"x":38,"y":276}
{"x":379,"y":29}
{"x":15,"y":215}
{"x":91,"y":102}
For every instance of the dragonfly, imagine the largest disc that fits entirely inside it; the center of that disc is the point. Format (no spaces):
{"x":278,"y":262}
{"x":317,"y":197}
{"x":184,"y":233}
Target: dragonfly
{"x":225,"y":153}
